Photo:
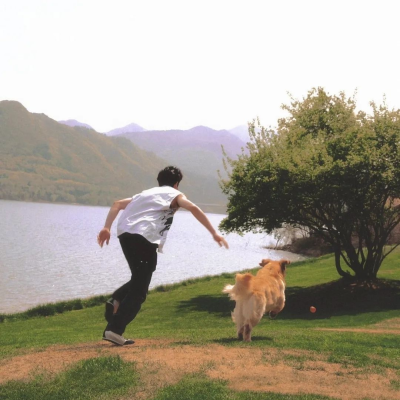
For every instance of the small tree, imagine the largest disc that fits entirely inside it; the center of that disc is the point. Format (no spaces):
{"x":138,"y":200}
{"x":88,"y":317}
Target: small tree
{"x":329,"y":169}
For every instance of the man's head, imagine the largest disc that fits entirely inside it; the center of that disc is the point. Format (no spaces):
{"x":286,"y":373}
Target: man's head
{"x":169,"y":176}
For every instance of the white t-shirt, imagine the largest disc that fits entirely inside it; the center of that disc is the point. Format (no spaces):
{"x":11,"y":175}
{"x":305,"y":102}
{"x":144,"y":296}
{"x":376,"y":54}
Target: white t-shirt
{"x":149,"y":214}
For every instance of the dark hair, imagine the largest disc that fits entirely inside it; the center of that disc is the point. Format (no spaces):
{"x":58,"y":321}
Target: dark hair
{"x":169,"y":176}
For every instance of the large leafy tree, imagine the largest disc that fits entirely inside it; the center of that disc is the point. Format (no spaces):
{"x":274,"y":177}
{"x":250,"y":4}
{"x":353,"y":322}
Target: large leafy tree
{"x":328,"y":168}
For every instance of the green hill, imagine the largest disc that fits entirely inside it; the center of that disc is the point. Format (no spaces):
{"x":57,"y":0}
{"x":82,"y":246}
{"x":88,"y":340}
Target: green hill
{"x":43,"y":160}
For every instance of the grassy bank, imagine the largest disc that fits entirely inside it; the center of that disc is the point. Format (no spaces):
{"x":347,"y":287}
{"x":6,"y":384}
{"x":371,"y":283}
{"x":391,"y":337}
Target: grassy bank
{"x":196,"y":313}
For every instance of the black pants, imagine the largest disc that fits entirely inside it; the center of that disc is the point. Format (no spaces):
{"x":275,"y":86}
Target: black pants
{"x":142,"y":259}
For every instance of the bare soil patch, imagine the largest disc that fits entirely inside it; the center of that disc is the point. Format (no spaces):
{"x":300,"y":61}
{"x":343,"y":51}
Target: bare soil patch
{"x":163,"y":363}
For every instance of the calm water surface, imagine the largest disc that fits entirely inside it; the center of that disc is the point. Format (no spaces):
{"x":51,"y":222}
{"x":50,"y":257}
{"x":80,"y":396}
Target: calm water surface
{"x":49,"y":253}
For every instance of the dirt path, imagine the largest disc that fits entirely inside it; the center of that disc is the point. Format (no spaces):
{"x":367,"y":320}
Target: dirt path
{"x":244,"y":368}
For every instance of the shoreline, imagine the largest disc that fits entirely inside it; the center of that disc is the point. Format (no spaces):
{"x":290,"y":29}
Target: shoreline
{"x":204,"y":206}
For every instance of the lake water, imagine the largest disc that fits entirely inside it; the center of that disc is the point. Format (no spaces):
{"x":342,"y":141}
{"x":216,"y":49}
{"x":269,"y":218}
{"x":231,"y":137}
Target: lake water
{"x":49,"y":253}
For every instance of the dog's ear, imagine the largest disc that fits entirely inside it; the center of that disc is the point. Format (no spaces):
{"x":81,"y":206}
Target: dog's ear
{"x":283,"y":264}
{"x":264,"y":261}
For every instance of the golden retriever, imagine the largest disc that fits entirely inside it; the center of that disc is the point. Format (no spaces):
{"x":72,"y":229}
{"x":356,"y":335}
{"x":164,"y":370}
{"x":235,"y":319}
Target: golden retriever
{"x":256,"y":295}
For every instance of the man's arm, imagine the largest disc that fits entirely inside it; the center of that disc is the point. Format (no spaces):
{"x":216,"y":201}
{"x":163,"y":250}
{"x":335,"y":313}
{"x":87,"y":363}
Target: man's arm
{"x":104,"y":234}
{"x":183,"y":202}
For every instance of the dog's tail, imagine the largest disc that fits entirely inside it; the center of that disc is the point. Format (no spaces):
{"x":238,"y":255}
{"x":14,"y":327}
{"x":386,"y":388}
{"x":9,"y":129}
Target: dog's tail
{"x":241,"y":287}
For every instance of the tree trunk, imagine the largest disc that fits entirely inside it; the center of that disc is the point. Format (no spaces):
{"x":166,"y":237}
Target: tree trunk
{"x":339,"y":269}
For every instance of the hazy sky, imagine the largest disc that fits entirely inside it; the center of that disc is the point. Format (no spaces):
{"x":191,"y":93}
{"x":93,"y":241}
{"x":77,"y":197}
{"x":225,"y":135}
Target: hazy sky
{"x":167,"y":64}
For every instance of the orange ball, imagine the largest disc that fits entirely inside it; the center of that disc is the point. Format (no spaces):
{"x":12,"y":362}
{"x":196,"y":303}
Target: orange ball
{"x":313,"y":309}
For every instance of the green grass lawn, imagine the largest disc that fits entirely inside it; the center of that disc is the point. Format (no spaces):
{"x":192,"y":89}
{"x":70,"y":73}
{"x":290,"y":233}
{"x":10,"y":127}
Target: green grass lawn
{"x":196,"y":312}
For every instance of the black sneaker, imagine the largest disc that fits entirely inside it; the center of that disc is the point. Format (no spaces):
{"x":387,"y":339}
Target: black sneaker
{"x":109,"y":310}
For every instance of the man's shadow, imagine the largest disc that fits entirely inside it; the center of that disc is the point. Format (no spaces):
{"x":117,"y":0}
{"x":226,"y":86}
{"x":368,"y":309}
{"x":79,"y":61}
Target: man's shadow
{"x":220,"y":305}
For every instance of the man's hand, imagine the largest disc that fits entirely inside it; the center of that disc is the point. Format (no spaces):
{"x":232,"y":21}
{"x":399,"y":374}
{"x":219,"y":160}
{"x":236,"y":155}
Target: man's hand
{"x":103,"y":236}
{"x":220,"y":240}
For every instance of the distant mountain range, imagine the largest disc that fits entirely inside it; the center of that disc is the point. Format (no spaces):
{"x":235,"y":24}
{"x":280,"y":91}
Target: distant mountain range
{"x":74,"y":122}
{"x":68,"y":161}
{"x":197,"y":150}
{"x":241,"y":131}
{"x":129,"y":128}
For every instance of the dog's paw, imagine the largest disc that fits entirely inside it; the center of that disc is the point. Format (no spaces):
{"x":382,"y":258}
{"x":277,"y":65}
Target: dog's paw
{"x":272,"y":314}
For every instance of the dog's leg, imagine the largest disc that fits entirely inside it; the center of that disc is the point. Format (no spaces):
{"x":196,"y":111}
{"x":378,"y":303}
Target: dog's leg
{"x":247,"y":333}
{"x":280,"y":304}
{"x":240,"y":333}
{"x":238,"y":318}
